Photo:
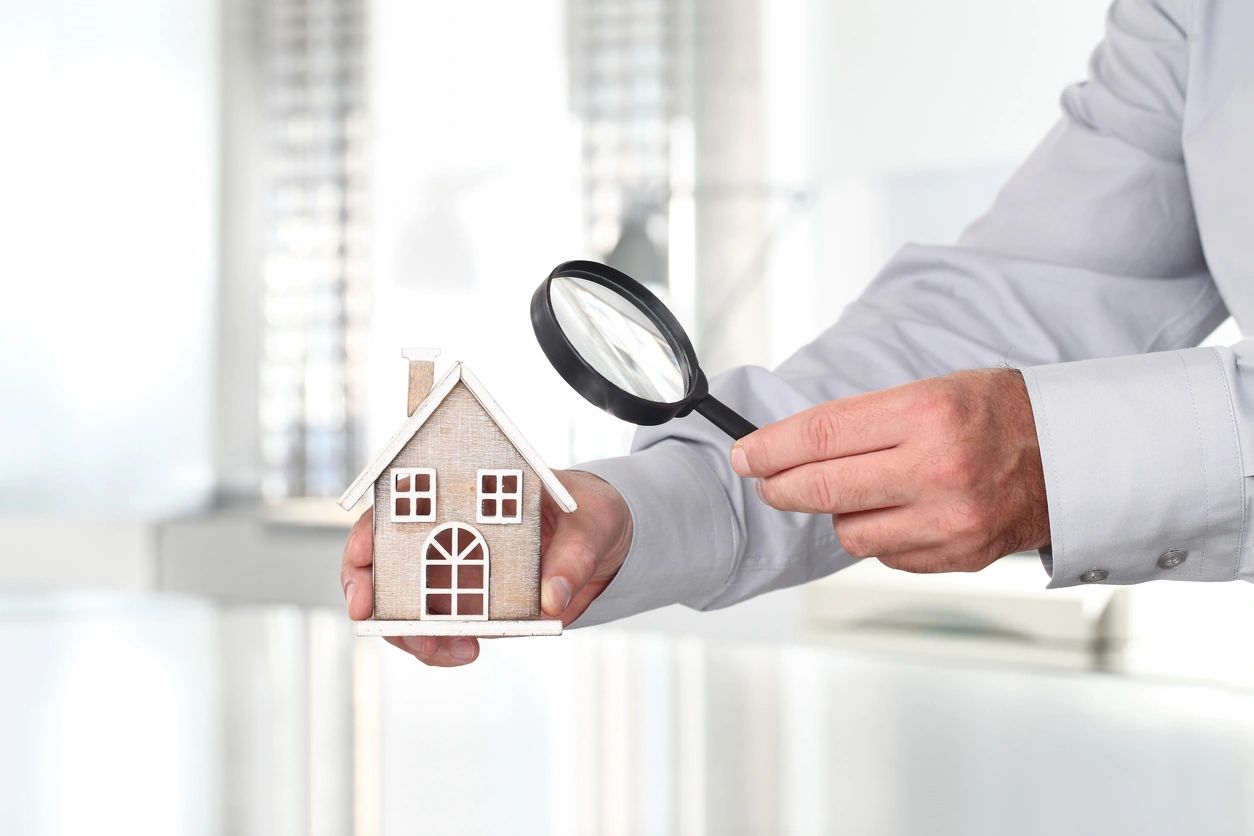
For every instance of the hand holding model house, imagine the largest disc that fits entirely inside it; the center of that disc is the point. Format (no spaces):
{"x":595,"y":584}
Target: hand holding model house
{"x":463,"y":510}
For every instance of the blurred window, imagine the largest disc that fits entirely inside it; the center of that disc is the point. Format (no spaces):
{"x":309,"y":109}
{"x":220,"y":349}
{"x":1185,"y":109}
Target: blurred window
{"x":626,"y":70}
{"x":313,"y":276}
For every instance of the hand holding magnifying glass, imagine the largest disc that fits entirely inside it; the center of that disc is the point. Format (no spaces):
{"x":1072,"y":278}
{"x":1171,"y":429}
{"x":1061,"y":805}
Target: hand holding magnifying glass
{"x":617,"y":345}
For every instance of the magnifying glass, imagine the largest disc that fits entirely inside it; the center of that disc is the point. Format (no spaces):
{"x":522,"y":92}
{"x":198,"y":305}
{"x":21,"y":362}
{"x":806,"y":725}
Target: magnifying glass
{"x":616,"y":344}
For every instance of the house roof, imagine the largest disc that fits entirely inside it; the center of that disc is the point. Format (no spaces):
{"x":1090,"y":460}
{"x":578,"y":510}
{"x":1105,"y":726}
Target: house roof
{"x":458,"y":373}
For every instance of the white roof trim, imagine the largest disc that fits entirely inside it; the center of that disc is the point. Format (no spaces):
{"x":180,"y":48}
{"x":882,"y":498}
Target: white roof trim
{"x":458,"y":373}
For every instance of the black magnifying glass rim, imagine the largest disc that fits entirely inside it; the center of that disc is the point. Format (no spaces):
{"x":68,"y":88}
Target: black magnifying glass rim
{"x":589,"y":382}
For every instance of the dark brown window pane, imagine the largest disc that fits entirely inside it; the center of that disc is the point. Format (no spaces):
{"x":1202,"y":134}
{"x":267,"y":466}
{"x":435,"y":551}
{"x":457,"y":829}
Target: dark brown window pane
{"x":440,"y":604}
{"x":402,"y":507}
{"x":509,"y":484}
{"x":470,"y":604}
{"x":445,"y":539}
{"x":489,"y":507}
{"x":468,"y":577}
{"x":402,"y":483}
{"x":488,"y":485}
{"x":475,"y":553}
{"x":509,"y":508}
{"x":424,"y":507}
{"x":433,"y":553}
{"x":440,"y":577}
{"x":422,"y":482}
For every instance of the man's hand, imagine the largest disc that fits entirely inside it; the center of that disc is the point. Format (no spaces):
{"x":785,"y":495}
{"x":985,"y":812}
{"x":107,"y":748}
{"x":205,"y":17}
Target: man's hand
{"x":943,"y":475}
{"x":581,"y":554}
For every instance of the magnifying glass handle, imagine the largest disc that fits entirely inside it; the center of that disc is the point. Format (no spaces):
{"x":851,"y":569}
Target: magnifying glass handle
{"x":724,"y":417}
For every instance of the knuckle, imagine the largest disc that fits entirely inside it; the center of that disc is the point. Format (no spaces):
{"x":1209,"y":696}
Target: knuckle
{"x":955,"y":467}
{"x":919,"y":564}
{"x":821,"y":493}
{"x":944,"y":407}
{"x":854,"y":539}
{"x":892,"y":562}
{"x":580,"y":559}
{"x":820,"y":432}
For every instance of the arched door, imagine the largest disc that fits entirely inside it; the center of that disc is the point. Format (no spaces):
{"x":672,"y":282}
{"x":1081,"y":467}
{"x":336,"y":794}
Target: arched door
{"x":455,"y":574}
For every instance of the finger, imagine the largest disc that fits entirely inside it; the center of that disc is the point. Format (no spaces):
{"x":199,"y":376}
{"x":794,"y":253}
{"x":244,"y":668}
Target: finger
{"x":438,"y":651}
{"x":358,"y":586}
{"x":840,"y":486}
{"x":860,"y":424}
{"x":359,"y":550}
{"x":568,"y":564}
{"x":885,"y":532}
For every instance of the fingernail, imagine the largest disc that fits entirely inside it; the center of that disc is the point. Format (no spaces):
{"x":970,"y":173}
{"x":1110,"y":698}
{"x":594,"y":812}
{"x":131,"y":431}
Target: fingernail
{"x":757,"y":486}
{"x":462,"y":649}
{"x":739,"y":462}
{"x":556,"y":596}
{"x":348,"y":593}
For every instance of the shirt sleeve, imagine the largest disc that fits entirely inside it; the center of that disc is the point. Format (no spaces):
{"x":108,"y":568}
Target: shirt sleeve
{"x":1089,"y":255}
{"x":1143,"y":466}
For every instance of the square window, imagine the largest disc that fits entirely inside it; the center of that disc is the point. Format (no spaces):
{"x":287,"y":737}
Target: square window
{"x":413,"y":494}
{"x":440,"y":577}
{"x":468,"y":577}
{"x":440,"y":604}
{"x":471,"y":604}
{"x":500,"y":496}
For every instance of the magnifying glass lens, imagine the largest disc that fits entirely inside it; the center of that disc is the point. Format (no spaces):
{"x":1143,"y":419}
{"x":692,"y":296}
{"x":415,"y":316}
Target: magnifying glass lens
{"x":617,"y":339}
{"x":617,"y":345}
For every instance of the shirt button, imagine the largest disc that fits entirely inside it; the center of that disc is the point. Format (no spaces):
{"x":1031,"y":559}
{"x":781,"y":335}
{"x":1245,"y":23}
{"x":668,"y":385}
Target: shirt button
{"x":1094,"y":576}
{"x":1172,"y":558}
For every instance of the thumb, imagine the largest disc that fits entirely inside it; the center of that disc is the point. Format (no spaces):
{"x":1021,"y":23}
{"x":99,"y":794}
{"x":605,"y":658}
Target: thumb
{"x":569,"y":562}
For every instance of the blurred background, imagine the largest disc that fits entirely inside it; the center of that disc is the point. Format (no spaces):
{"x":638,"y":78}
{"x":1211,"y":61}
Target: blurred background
{"x":222,"y":219}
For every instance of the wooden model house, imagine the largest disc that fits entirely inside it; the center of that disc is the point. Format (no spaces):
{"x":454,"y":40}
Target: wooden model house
{"x":456,"y":515}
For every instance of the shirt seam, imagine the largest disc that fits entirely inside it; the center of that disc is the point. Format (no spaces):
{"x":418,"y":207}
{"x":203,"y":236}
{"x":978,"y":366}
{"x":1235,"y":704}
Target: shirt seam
{"x":1165,"y":336}
{"x":1056,"y":537}
{"x":1201,"y":446}
{"x":1236,"y":444}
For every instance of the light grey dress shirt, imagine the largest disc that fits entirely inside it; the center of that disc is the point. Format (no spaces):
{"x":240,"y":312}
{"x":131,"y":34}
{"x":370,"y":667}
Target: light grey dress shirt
{"x":1123,"y":240}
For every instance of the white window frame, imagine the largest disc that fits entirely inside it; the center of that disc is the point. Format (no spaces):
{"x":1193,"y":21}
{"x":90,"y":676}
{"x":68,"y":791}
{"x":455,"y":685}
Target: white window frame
{"x":500,"y":494}
{"x":456,"y":561}
{"x":413,"y":495}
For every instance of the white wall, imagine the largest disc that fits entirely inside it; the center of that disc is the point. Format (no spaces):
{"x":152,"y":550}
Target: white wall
{"x":107,"y":160}
{"x":900,"y":119}
{"x":474,"y":199}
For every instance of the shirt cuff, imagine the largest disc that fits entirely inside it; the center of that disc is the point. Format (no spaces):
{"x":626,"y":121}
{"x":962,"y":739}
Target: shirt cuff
{"x":1143,"y":470}
{"x":683,"y":532}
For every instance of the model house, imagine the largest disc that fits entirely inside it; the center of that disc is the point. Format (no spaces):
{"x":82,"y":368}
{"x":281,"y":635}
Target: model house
{"x":457,"y":495}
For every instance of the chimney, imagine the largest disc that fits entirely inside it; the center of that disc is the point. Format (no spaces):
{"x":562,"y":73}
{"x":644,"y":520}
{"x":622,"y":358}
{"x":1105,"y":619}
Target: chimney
{"x":421,"y":374}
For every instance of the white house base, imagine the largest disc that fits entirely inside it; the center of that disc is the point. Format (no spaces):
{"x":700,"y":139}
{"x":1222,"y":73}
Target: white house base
{"x":482,"y":629}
